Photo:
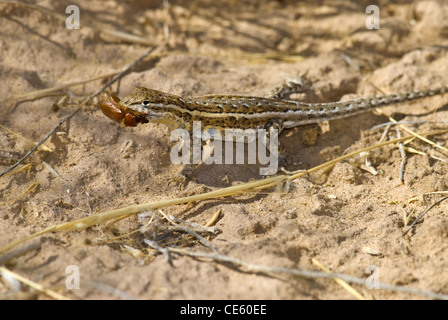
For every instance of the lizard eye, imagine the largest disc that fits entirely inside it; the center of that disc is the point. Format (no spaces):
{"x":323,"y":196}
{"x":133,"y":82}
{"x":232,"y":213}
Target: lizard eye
{"x":145,"y":103}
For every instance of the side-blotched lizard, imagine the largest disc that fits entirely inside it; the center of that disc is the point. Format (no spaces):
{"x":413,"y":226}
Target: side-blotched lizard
{"x":239,"y":112}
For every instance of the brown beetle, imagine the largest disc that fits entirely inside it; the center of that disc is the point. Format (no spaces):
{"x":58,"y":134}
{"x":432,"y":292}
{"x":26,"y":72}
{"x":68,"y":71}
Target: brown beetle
{"x":111,"y":107}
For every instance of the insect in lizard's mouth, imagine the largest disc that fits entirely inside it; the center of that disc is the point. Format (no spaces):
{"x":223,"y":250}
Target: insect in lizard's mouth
{"x":112,"y":108}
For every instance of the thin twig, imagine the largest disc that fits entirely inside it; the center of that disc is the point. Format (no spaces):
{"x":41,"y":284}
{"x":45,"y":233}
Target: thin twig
{"x":399,"y":123}
{"x":403,"y":157}
{"x":423,"y":213}
{"x":82,"y":104}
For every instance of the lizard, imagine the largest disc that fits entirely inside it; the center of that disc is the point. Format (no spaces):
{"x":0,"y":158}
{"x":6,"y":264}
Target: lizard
{"x":143,"y":105}
{"x":222,"y":112}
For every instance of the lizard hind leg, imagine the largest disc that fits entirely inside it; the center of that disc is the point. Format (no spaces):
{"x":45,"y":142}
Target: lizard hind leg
{"x":289,"y":87}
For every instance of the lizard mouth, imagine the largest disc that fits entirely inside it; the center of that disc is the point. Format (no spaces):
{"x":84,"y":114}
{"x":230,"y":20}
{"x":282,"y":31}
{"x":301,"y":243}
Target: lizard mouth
{"x":112,"y":108}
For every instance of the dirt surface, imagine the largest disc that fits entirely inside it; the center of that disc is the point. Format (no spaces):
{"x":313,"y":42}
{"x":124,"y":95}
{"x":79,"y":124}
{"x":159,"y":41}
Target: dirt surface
{"x":347,"y":218}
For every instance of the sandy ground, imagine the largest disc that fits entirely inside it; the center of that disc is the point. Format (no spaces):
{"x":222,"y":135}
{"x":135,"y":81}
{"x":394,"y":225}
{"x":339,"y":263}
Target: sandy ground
{"x":347,"y":218}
